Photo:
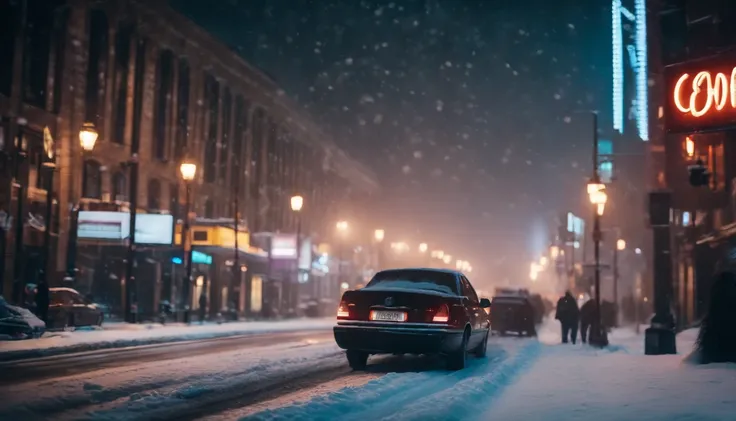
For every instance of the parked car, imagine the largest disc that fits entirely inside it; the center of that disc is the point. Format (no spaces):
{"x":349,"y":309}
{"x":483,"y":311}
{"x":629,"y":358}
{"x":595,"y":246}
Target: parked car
{"x":513,"y":314}
{"x":19,"y":323}
{"x":69,"y":308}
{"x":413,"y":311}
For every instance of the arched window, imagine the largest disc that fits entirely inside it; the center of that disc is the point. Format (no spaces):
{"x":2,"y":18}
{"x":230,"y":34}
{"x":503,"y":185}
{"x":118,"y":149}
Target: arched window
{"x":119,"y":187}
{"x":92,"y":180}
{"x":154,"y":195}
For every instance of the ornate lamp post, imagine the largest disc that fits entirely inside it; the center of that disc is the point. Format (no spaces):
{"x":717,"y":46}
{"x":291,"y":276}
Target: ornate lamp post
{"x":188,"y":171}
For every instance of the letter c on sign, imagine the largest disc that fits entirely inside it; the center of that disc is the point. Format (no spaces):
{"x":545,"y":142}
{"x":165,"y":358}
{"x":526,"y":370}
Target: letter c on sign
{"x":678,"y":94}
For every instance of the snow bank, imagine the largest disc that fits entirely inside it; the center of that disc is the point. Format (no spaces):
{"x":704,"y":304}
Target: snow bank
{"x":119,"y":335}
{"x":574,"y":382}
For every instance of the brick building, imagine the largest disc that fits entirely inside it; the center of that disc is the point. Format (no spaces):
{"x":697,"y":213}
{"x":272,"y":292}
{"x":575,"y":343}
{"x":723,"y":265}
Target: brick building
{"x":157,"y":88}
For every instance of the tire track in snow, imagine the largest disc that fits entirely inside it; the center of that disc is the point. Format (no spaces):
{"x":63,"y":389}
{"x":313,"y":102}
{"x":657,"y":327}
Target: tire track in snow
{"x":382,"y":397}
{"x":472,"y":395}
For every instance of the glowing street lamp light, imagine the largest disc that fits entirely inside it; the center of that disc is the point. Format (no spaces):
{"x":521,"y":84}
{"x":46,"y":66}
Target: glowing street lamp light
{"x":543,"y":261}
{"x":689,"y":147}
{"x":447,"y":259}
{"x":88,"y":136}
{"x":296,"y":203}
{"x":342,"y":226}
{"x":554,"y":252}
{"x":188,"y":171}
{"x":459,"y":264}
{"x":423,"y":247}
{"x":379,"y":235}
{"x":621,"y":245}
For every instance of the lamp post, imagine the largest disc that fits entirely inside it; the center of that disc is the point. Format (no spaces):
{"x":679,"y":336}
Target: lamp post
{"x":620,"y":246}
{"x":188,"y":171}
{"x":49,"y":165}
{"x":87,"y":139}
{"x":297,"y":202}
{"x":342,"y":228}
{"x":598,"y":198}
{"x":131,"y":286}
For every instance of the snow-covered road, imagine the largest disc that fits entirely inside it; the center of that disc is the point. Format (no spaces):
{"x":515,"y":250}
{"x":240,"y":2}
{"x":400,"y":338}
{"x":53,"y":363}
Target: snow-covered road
{"x":292,"y":377}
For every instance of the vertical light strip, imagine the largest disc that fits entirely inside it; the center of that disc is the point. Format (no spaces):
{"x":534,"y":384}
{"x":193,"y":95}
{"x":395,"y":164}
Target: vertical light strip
{"x":618,"y":67}
{"x":642,"y":75}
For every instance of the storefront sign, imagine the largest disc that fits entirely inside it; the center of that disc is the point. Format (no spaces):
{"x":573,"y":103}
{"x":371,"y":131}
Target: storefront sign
{"x":150,"y":228}
{"x":701,"y":96}
{"x":283,"y":246}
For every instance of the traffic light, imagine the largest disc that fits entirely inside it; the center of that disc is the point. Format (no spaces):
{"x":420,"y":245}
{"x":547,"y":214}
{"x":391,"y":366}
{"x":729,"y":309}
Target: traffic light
{"x":699,"y":175}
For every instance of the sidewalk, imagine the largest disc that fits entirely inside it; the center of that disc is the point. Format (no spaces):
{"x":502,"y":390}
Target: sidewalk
{"x":576,"y":382}
{"x":119,"y":335}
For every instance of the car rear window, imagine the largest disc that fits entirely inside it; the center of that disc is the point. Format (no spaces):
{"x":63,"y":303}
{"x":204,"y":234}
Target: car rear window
{"x":444,"y":282}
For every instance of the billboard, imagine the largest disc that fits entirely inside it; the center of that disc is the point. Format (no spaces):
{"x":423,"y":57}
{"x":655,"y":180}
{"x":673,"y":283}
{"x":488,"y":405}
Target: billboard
{"x":150,"y":228}
{"x":283,"y":246}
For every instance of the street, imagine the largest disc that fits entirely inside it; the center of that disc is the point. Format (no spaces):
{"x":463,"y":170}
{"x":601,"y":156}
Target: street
{"x":304,"y":376}
{"x":225,"y":378}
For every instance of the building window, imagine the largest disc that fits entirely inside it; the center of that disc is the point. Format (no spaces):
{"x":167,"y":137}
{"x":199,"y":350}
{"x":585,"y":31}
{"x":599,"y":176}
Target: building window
{"x":182,"y":101}
{"x":39,"y":28}
{"x":140,"y":74}
{"x":122,"y":63}
{"x":227,"y":107}
{"x":154,"y":195}
{"x":259,"y":120}
{"x":92,"y":180}
{"x":212,"y":98}
{"x":164,"y":88}
{"x":9,"y":12}
{"x":96,"y":67}
{"x":61,"y":23}
{"x":119,"y":187}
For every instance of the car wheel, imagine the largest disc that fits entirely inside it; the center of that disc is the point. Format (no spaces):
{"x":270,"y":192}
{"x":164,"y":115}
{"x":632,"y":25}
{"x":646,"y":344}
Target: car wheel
{"x":357,"y":360}
{"x":69,"y":322}
{"x":458,"y":359}
{"x":99,"y":321}
{"x":480,"y":350}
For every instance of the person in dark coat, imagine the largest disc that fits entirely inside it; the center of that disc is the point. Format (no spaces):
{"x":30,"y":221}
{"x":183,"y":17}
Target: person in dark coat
{"x":42,"y":301}
{"x":587,"y":316}
{"x":202,"y":307}
{"x":569,"y":315}
{"x":717,"y":337}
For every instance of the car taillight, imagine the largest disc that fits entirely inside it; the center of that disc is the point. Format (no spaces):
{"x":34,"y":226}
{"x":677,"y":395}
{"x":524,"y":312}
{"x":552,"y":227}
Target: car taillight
{"x":342,"y":311}
{"x":442,"y":315}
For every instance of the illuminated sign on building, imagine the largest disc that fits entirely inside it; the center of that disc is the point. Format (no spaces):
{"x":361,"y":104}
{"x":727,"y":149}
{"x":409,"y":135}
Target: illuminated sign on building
{"x":701,"y":96}
{"x":149,"y":229}
{"x":636,"y":46}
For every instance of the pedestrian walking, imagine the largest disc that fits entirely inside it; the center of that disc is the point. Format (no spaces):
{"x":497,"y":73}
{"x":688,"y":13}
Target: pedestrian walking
{"x":202,"y":307}
{"x":587,"y":317}
{"x":569,"y":315}
{"x":42,"y":301}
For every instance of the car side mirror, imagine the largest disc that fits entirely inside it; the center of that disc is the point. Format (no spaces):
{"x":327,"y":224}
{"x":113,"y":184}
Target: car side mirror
{"x":485,"y":303}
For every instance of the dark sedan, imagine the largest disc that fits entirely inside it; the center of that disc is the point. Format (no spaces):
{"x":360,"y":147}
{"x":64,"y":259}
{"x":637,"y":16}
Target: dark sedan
{"x":69,"y":309}
{"x":413,"y":311}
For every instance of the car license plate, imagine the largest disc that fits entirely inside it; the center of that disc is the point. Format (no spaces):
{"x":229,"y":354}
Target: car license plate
{"x":388,"y":316}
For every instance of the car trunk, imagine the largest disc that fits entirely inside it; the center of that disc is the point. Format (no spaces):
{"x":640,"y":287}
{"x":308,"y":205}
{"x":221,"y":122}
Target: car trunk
{"x":419,"y":305}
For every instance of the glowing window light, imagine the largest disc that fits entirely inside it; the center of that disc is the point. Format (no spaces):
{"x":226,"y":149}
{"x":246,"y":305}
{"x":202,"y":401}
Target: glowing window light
{"x":618,"y":68}
{"x":642,"y":77}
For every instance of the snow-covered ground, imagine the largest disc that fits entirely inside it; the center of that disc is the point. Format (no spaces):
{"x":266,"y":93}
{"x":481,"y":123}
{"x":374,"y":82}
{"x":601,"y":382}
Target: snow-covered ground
{"x":540,"y":380}
{"x":118,"y":335}
{"x":308,"y":379}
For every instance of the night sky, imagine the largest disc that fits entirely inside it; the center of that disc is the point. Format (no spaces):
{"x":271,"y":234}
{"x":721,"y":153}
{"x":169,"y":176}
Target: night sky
{"x":468,"y":110}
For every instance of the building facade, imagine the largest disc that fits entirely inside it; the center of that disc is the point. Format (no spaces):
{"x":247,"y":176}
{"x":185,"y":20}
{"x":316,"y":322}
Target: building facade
{"x":158,"y":89}
{"x":695,"y":39}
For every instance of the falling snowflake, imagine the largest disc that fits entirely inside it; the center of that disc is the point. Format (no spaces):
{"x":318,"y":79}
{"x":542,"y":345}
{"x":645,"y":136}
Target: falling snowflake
{"x":418,"y":154}
{"x":558,"y":96}
{"x":567,"y":119}
{"x":378,"y":119}
{"x":406,"y":169}
{"x":349,"y":61}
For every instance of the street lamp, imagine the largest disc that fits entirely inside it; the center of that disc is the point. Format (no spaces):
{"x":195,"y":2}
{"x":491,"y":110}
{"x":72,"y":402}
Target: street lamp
{"x":423,"y":247}
{"x":297,"y":202}
{"x":87,"y":140}
{"x":342,"y":228}
{"x":554,"y":252}
{"x":620,"y":246}
{"x":88,"y":136}
{"x":188,"y":171}
{"x":379,"y":235}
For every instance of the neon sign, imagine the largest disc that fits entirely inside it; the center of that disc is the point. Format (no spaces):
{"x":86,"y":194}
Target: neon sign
{"x":701,"y":96}
{"x":706,"y":92}
{"x":638,"y":63}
